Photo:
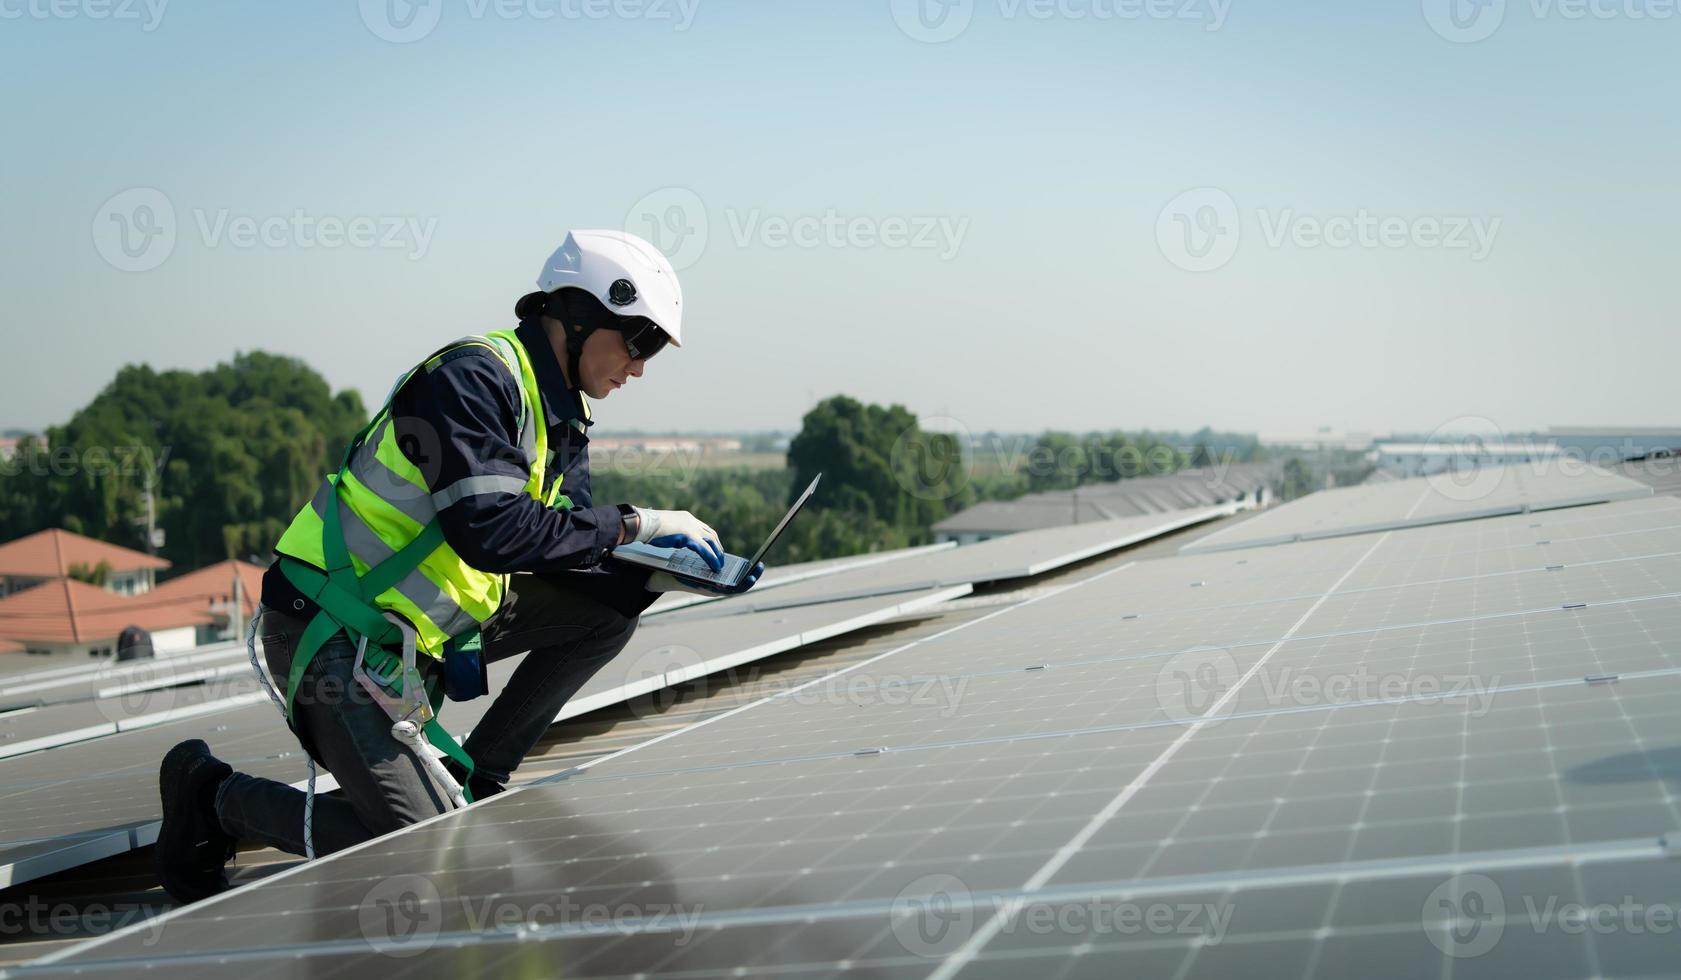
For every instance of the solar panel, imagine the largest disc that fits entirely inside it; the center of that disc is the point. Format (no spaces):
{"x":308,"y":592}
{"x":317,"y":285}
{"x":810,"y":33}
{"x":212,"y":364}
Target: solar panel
{"x":779,"y":575}
{"x":1014,"y":556}
{"x":1265,"y":819}
{"x":1458,"y":496}
{"x":108,"y":789}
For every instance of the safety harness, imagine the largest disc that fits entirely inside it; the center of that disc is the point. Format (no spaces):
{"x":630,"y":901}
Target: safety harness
{"x":385,"y":643}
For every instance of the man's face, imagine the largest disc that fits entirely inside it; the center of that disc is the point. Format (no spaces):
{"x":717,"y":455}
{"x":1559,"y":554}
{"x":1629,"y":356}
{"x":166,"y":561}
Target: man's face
{"x":605,"y":365}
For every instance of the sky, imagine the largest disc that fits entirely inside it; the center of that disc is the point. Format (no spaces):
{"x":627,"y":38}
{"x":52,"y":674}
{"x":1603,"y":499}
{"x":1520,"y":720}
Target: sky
{"x":1003,"y":214}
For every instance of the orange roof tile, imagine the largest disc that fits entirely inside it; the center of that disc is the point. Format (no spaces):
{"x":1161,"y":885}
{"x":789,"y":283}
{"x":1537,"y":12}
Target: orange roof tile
{"x":68,"y":611}
{"x":213,"y":585}
{"x":52,"y":553}
{"x":7,"y":646}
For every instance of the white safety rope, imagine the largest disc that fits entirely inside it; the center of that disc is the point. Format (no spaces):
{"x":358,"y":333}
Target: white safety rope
{"x":279,"y":702}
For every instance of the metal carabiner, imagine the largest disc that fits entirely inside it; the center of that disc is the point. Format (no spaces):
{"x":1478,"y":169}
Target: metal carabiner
{"x":410,"y":710}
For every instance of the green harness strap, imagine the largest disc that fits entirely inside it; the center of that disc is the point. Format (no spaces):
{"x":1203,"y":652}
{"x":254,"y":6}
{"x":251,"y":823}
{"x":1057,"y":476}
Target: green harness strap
{"x":346,"y":602}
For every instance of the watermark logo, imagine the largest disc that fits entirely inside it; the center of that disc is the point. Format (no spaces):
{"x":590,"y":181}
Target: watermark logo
{"x":1199,"y":230}
{"x":677,"y":221}
{"x":657,"y":674}
{"x":1192,"y":684}
{"x":1468,"y":444}
{"x":401,"y":21}
{"x":407,"y":21}
{"x":1470,"y":21}
{"x":1465,"y":915}
{"x":933,"y":915}
{"x":401,"y":916}
{"x":933,"y":21}
{"x":134,"y":230}
{"x":149,"y":13}
{"x":935,"y":460}
{"x":1464,"y":21}
{"x":938,"y":21}
{"x":674,"y":220}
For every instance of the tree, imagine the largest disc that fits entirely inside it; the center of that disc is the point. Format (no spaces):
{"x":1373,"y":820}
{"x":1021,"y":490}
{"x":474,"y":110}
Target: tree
{"x":880,"y":468}
{"x":230,"y":454}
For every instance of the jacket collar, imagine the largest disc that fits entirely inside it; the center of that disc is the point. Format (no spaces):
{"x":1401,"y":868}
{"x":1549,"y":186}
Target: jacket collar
{"x":561,"y":401}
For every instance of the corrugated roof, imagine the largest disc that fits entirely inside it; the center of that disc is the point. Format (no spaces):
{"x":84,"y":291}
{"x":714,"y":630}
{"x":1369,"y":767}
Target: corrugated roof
{"x":53,"y":552}
{"x":68,"y":611}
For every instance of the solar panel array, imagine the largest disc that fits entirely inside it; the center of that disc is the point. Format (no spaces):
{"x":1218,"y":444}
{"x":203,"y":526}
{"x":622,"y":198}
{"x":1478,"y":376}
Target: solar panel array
{"x":82,"y":802}
{"x":1450,"y":496}
{"x":1015,"y":556}
{"x":95,"y":795}
{"x":1448,"y":751}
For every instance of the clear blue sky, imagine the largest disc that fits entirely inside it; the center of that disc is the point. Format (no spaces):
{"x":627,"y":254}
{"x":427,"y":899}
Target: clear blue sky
{"x":1034,"y":154}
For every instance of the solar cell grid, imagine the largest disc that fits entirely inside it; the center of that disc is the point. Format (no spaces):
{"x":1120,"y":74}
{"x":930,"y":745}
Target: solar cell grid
{"x":1328,"y":827}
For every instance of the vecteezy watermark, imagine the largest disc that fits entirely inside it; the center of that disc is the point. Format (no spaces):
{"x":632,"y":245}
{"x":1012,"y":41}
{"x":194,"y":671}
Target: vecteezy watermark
{"x":95,"y":461}
{"x":1468,"y":915}
{"x":678,"y":222}
{"x":669,"y":673}
{"x":403,"y":916}
{"x":936,"y":914}
{"x":1470,"y":21}
{"x":135,"y":230}
{"x":937,"y":21}
{"x":147,"y":13}
{"x":1200,"y":230}
{"x":32,"y":917}
{"x":405,"y":21}
{"x":1195,"y":685}
{"x":935,"y":460}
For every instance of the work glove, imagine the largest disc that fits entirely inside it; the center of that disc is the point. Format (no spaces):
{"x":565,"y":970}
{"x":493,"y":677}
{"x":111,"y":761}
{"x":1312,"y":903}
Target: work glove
{"x":680,"y":529}
{"x":667,"y":582}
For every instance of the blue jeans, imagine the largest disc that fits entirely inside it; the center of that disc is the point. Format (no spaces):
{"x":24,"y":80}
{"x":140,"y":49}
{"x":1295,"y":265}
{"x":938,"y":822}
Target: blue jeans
{"x":384,"y":786}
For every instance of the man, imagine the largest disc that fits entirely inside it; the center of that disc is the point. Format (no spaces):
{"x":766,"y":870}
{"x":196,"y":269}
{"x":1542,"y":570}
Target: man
{"x":476,"y":467}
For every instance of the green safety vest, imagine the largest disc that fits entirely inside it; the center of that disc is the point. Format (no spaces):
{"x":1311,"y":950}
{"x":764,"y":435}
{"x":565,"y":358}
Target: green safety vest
{"x":370,"y":542}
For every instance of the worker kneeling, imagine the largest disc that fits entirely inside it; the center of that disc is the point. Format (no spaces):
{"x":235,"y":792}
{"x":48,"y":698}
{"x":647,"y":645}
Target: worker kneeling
{"x":392,"y":587}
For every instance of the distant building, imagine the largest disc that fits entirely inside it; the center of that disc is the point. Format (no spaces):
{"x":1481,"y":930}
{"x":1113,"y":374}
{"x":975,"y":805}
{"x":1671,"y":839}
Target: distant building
{"x":1605,"y":447}
{"x":56,"y":553}
{"x":1247,"y":485}
{"x":1426,"y":458}
{"x":695,"y":445}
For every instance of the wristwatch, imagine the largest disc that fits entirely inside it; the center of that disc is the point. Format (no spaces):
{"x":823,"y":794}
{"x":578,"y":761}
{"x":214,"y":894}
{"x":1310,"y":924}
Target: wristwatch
{"x":630,"y":523}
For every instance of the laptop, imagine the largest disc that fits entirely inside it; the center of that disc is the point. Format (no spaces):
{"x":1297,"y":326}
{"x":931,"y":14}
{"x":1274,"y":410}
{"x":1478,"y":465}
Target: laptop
{"x":684,"y":562}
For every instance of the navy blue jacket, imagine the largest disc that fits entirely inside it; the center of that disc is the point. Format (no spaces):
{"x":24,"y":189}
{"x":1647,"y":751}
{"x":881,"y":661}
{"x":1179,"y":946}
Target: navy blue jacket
{"x":460,"y":420}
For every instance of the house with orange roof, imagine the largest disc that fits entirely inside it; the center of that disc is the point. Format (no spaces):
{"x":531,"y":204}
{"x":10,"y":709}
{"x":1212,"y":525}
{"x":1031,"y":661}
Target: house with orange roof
{"x":212,"y":590}
{"x":65,"y":616}
{"x":56,"y":553}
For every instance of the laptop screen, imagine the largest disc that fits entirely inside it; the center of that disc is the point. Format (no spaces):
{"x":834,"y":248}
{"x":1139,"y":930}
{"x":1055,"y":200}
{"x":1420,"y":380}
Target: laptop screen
{"x":776,"y":532}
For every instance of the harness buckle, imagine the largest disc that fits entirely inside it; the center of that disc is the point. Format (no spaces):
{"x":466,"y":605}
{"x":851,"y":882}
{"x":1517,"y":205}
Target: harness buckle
{"x":411,"y":704}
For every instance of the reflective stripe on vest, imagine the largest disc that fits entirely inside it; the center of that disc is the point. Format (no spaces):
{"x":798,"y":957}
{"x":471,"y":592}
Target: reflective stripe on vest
{"x":384,"y":503}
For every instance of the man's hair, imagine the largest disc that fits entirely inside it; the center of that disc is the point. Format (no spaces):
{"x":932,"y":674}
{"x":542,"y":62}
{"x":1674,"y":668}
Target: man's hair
{"x":577,"y":309}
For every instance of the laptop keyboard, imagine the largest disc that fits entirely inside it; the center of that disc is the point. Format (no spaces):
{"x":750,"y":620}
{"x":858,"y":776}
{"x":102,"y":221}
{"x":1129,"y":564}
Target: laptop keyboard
{"x":686,"y":562}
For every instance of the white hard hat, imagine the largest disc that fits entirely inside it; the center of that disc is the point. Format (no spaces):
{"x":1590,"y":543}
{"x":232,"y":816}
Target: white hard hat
{"x":628,"y":275}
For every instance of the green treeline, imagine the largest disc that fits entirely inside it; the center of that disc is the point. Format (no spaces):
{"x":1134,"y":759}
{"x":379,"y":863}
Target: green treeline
{"x":229,"y":455}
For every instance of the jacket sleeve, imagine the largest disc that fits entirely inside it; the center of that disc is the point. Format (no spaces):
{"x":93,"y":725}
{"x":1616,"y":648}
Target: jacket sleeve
{"x":458,"y":423}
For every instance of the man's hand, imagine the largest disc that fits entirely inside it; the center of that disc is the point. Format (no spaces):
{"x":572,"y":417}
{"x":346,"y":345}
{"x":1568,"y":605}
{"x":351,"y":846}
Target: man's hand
{"x":667,"y":582}
{"x":680,"y":529}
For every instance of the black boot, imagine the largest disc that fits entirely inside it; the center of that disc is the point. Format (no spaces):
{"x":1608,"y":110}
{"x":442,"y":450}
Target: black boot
{"x":480,"y":787}
{"x":192,"y":850}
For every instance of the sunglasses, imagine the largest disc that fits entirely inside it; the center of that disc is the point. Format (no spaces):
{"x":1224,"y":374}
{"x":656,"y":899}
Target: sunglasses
{"x":645,"y":341}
